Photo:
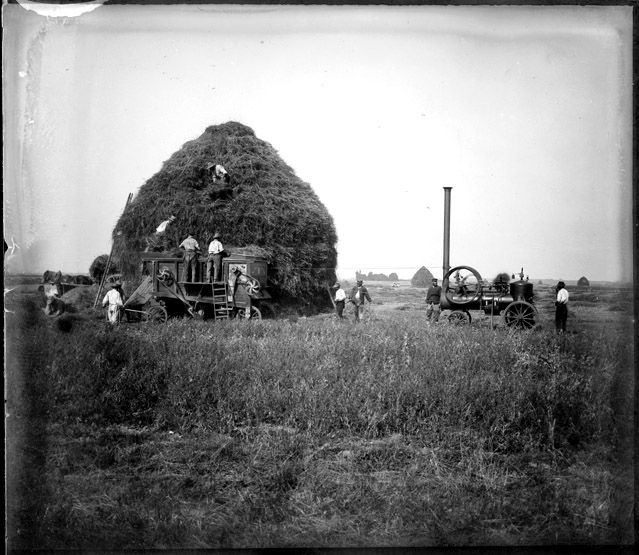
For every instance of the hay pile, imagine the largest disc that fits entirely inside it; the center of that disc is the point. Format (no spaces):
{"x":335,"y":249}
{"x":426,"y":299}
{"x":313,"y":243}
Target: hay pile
{"x":96,"y":270}
{"x":82,"y":297}
{"x":422,"y":278}
{"x":264,"y":208}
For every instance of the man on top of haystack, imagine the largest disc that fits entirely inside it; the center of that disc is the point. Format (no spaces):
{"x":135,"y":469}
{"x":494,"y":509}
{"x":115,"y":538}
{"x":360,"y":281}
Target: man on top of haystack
{"x":218,"y":172}
{"x":157,"y":241}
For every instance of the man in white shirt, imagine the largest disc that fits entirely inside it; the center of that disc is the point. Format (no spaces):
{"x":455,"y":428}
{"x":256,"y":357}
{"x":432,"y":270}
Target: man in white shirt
{"x":561,"y":307}
{"x":340,"y":300}
{"x":157,"y":241}
{"x":114,"y":302}
{"x":216,"y":253}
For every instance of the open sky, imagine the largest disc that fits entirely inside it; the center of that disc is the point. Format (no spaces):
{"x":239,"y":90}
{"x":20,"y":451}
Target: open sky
{"x":524,"y":111}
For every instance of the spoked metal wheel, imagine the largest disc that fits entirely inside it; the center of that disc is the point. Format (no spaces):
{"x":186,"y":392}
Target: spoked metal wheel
{"x":462,"y":285}
{"x":155,"y":313}
{"x":255,"y":313}
{"x":459,"y":317}
{"x":520,"y":315}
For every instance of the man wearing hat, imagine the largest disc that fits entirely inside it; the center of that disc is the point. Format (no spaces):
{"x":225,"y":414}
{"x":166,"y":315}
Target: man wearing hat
{"x":157,"y":241}
{"x":218,"y":172}
{"x":433,"y":299}
{"x":340,"y":300}
{"x":114,"y":303}
{"x":191,"y":250}
{"x":359,"y":295}
{"x":216,"y":253}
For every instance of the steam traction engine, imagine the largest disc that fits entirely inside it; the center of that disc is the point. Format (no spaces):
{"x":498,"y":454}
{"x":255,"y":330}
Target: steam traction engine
{"x":463,"y":289}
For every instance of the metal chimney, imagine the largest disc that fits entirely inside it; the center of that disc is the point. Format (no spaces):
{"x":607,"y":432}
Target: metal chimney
{"x":446,"y":265}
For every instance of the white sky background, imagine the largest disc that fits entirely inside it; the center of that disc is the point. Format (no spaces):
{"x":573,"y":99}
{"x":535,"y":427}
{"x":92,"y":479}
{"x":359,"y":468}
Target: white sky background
{"x":524,"y":111}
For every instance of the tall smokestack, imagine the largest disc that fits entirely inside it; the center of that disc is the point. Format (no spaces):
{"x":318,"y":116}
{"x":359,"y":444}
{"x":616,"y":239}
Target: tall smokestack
{"x":446,"y":265}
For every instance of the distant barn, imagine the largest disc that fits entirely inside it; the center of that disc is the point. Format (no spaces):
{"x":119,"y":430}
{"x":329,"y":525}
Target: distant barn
{"x":583,"y":282}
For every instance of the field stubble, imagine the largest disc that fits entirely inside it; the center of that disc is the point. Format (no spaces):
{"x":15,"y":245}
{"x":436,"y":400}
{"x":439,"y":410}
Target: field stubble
{"x":318,"y":432}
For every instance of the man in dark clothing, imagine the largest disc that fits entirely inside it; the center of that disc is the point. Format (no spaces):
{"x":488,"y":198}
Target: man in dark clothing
{"x":433,"y":298}
{"x":359,"y":295}
{"x":191,"y":250}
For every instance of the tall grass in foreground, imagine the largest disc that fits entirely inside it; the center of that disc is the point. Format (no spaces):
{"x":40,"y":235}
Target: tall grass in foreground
{"x":513,"y":390}
{"x":322,"y":433}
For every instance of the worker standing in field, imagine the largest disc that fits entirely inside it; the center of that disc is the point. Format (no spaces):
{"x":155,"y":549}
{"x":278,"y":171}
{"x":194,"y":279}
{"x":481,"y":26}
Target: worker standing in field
{"x":359,"y":295}
{"x":214,"y":261}
{"x":433,"y":299}
{"x":191,"y":250}
{"x":157,"y":241}
{"x":561,"y":307}
{"x":114,"y":303}
{"x":340,"y":300}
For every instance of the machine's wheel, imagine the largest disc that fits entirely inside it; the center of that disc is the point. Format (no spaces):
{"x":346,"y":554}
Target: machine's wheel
{"x":520,"y":315}
{"x":255,"y":313}
{"x":459,"y":317}
{"x":155,"y":313}
{"x":462,"y":285}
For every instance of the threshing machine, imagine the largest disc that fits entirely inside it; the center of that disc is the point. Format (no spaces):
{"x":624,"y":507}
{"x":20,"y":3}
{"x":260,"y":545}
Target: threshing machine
{"x":164,"y":292}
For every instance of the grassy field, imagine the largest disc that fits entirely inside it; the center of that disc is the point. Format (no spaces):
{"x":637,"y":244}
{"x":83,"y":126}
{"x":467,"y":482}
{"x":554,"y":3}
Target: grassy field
{"x":320,"y":433}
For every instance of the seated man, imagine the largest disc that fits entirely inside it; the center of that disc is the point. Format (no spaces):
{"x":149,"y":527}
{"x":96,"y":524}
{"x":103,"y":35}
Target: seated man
{"x":218,"y":172}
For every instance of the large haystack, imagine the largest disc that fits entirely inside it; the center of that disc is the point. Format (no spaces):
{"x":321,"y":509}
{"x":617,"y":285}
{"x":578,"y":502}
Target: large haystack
{"x":265,"y":208}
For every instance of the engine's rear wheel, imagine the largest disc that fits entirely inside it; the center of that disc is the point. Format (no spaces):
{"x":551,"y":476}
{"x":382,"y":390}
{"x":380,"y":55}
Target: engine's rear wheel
{"x":520,"y":315}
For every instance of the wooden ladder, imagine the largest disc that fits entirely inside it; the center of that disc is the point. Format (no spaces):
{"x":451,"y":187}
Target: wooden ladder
{"x":221,"y":308}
